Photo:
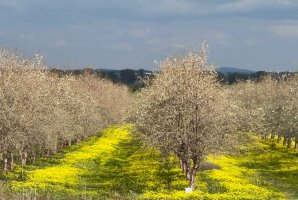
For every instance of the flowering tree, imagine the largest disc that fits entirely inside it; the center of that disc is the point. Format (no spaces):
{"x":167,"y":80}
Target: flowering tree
{"x":185,"y":111}
{"x":42,"y":112}
{"x":269,"y":107}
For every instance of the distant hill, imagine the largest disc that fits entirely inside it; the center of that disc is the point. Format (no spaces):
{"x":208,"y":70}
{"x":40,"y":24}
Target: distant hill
{"x":226,"y":70}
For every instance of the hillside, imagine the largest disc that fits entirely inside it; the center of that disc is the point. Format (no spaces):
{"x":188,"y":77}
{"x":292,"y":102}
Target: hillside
{"x":115,"y":165}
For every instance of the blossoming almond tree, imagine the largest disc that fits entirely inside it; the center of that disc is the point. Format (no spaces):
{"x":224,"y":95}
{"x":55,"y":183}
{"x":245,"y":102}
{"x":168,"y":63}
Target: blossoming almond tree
{"x":269,"y":107}
{"x":42,"y":112}
{"x":185,"y":111}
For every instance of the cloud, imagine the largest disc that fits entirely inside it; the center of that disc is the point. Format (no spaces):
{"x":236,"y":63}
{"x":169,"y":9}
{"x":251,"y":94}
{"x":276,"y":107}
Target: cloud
{"x":253,"y":5}
{"x":141,"y":32}
{"x":59,"y":12}
{"x":137,"y":32}
{"x":11,"y":7}
{"x":289,"y":30}
{"x":59,"y":43}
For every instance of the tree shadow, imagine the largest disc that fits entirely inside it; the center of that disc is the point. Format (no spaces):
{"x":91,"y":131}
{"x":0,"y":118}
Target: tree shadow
{"x":132,"y":169}
{"x":276,"y":168}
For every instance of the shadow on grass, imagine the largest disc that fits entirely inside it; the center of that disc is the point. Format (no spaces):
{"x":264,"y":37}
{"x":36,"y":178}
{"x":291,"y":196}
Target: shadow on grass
{"x":212,"y":186}
{"x":132,"y":169}
{"x":277,"y":166}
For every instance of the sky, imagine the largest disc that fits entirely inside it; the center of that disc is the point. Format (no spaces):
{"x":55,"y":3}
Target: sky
{"x":110,"y":34}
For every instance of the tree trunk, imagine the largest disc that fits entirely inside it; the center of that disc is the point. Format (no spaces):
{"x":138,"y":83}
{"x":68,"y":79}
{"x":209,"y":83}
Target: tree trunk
{"x":21,"y":156}
{"x":284,"y":141}
{"x":278,"y":138}
{"x":181,"y":165}
{"x":60,"y":145}
{"x":296,"y":144}
{"x":289,"y":142}
{"x":55,"y":149}
{"x":24,"y":158}
{"x":263,"y":136}
{"x":184,"y":165}
{"x":48,"y":153}
{"x":187,"y":172}
{"x":272,"y":136}
{"x":5,"y":165}
{"x":11,"y":162}
{"x":192,"y":178}
{"x":192,"y":174}
{"x":33,"y":156}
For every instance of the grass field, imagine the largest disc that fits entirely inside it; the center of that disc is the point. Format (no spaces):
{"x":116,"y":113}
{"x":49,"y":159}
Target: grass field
{"x":115,"y":165}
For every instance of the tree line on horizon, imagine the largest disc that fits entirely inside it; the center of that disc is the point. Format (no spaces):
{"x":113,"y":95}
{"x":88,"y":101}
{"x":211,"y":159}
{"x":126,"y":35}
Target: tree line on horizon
{"x":133,"y":78}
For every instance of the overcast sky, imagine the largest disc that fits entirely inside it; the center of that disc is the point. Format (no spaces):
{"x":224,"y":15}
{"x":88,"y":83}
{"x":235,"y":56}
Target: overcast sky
{"x":251,"y":34}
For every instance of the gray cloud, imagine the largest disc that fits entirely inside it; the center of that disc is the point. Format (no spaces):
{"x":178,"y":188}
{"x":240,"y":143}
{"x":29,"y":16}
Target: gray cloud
{"x":286,"y":29}
{"x":117,"y":34}
{"x":146,"y":10}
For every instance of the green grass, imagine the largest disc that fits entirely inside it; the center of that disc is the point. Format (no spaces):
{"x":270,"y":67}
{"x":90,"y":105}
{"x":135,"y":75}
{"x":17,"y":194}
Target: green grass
{"x":276,"y":165}
{"x":115,"y":165}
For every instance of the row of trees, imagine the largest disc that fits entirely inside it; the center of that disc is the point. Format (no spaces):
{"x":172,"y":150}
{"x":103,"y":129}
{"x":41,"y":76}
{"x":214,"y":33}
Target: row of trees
{"x":271,"y":107}
{"x":130,"y":77}
{"x":41,"y":112}
{"x":185,"y":110}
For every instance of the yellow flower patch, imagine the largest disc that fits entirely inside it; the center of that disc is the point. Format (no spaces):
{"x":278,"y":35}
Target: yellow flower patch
{"x":73,"y":166}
